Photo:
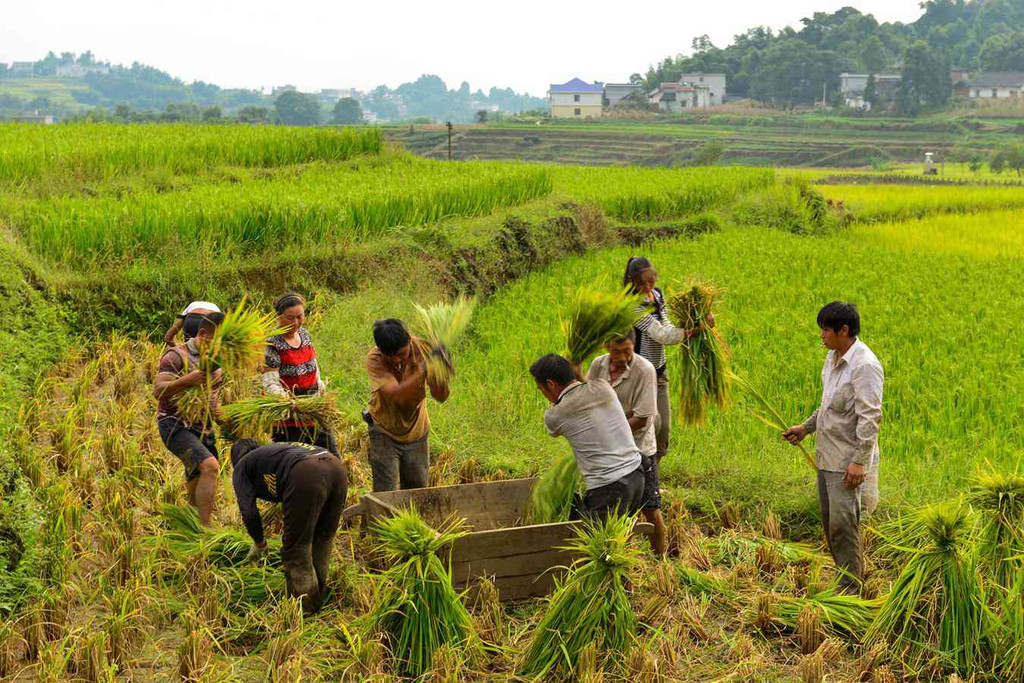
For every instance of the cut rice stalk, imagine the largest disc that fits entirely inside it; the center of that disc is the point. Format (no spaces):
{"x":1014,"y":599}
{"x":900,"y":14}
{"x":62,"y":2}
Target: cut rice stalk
{"x":552,"y":495}
{"x":1000,"y":498}
{"x":417,"y":610}
{"x":594,"y":319}
{"x":704,"y":357}
{"x":590,"y":607}
{"x":935,"y":614}
{"x":441,"y":326}
{"x":239,"y":344}
{"x":768,"y":413}
{"x":253,"y":417}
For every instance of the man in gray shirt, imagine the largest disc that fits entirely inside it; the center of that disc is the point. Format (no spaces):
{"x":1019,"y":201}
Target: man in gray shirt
{"x":847,"y":427}
{"x":588,"y":414}
{"x":635,"y":382}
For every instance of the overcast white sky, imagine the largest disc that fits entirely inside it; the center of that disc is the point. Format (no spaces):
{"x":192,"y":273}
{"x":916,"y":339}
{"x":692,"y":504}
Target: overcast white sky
{"x":525,"y":44}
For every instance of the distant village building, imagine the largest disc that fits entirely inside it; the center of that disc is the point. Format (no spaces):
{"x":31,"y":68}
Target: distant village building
{"x":1005,"y":85}
{"x":575,"y":99}
{"x":716,"y":84}
{"x":679,"y":97}
{"x":852,"y":86}
{"x":278,"y":89}
{"x":332,"y":95}
{"x":961,"y":81}
{"x":79,"y":70}
{"x":614,"y":93}
{"x":45,"y":119}
{"x":22,"y":68}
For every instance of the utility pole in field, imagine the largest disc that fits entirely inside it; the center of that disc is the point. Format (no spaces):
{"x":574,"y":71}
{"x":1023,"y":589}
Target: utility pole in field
{"x":449,"y":125}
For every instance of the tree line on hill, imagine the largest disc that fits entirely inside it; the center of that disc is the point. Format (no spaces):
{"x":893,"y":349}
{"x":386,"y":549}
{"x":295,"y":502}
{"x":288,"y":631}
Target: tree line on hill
{"x":149,"y":93}
{"x":794,"y":65}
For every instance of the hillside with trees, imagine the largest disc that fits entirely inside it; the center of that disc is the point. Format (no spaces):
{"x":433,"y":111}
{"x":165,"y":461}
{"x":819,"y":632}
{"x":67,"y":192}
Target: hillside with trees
{"x":792,"y":66}
{"x":68,"y":84}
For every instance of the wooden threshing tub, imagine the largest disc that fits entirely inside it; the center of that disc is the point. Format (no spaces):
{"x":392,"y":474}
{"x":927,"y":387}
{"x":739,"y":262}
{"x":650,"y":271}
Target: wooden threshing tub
{"x":521,"y":560}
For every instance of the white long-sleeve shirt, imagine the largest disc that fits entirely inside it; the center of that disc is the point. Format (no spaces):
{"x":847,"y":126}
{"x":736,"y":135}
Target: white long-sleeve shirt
{"x":851,"y":410}
{"x":655,"y":332}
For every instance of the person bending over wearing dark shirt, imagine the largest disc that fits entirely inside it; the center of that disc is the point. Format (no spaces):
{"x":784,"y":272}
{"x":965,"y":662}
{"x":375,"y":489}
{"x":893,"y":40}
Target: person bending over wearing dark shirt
{"x":311,"y":485}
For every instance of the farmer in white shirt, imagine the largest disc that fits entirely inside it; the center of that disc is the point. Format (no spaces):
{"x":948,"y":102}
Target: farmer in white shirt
{"x":635,"y":383}
{"x":589,"y":416}
{"x":847,"y":444}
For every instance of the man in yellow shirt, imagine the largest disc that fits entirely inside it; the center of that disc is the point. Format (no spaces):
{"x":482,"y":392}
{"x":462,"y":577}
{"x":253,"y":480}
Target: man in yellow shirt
{"x":397,"y":415}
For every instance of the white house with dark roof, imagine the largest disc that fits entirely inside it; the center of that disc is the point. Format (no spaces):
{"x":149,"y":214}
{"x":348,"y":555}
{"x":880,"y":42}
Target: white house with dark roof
{"x":575,"y":99}
{"x":996,"y":85}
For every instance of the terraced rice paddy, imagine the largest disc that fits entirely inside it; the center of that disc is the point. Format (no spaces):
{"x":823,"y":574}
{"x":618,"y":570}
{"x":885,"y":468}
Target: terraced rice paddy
{"x":105,"y":575}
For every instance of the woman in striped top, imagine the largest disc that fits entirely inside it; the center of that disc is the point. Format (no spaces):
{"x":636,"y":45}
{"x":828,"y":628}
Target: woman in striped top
{"x":292,"y":370}
{"x":653,"y":333}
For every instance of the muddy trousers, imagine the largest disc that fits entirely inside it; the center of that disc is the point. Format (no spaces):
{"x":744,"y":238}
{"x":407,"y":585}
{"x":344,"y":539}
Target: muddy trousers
{"x":840,"y":518}
{"x":312,"y":503}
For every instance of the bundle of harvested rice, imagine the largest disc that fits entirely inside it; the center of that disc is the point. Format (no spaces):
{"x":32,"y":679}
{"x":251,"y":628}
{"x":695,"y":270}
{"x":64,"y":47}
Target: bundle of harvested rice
{"x":732,"y":547}
{"x":240,"y":342}
{"x":704,"y":357}
{"x":1009,"y":632}
{"x":417,"y":610}
{"x":590,"y":606}
{"x":594,"y":319}
{"x":254,"y":417}
{"x":552,"y":495}
{"x":767,"y":413}
{"x":999,"y":497}
{"x":441,"y":326}
{"x":186,"y":537}
{"x":935,"y":614}
{"x":847,"y":616}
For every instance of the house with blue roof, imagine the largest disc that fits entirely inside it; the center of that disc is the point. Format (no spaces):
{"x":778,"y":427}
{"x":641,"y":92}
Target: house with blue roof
{"x":576,"y":99}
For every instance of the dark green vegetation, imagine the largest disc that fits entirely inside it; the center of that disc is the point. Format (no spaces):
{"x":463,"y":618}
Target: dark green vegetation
{"x":791,"y":66}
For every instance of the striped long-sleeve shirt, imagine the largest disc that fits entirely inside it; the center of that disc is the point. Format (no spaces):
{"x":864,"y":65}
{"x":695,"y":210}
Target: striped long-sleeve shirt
{"x":654,"y":332}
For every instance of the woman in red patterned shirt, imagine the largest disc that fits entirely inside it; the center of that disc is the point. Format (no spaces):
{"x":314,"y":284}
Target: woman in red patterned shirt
{"x":291,"y":369}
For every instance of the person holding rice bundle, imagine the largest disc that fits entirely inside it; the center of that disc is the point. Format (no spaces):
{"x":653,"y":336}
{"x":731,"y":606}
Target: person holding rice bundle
{"x":195,"y":444}
{"x":291,"y":369}
{"x":653,"y":333}
{"x":846,"y":423}
{"x":188,"y":321}
{"x":399,"y":426}
{"x":635,"y":383}
{"x":589,"y":416}
{"x":311,"y":485}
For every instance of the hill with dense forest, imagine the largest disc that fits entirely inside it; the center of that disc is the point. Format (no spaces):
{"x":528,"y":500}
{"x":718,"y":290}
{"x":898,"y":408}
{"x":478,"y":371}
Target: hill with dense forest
{"x":791,"y":66}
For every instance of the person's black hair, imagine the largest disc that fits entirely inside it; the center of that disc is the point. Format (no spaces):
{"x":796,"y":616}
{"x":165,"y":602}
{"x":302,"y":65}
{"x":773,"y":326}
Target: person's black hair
{"x":287,"y":300}
{"x":634,"y":266}
{"x":626,"y":336}
{"x":390,"y":335}
{"x":838,"y":313}
{"x":553,"y":367}
{"x":210,"y":322}
{"x":241,"y":448}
